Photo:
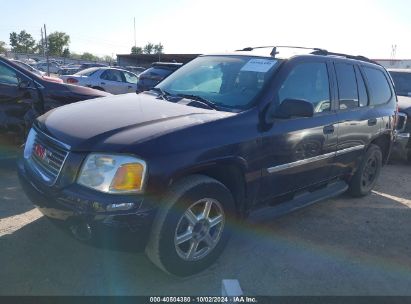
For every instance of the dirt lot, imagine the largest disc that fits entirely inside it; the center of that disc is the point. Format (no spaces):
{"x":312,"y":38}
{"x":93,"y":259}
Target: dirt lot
{"x":342,"y":246}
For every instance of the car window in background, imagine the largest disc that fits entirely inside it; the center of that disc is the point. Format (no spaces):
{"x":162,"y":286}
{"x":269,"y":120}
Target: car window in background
{"x":87,"y":72}
{"x":308,"y":81}
{"x":402,"y":81}
{"x":8,"y":75}
{"x":112,"y":75}
{"x":347,"y":86}
{"x":130,"y":78}
{"x":378,"y":85}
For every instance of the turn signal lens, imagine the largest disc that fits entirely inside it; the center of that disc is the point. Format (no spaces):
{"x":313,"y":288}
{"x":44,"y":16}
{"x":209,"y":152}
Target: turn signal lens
{"x":129,"y":177}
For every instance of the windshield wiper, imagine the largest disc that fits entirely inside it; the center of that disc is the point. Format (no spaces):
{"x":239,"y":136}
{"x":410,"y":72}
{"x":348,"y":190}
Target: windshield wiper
{"x":200,"y":99}
{"x":163,"y":94}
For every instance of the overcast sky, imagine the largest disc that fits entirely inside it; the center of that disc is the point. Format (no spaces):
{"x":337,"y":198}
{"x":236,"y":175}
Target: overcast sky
{"x":366,"y":27}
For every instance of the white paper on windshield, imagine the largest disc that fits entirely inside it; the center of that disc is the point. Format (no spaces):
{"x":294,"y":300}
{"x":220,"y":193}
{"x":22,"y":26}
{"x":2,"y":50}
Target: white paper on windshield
{"x":258,"y":65}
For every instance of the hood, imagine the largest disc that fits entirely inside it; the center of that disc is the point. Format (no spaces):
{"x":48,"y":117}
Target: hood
{"x":404,"y":104}
{"x":112,"y":123}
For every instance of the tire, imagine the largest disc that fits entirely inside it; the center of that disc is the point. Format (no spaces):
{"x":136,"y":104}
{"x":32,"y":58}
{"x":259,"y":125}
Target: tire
{"x":172,"y":222}
{"x":367,"y":173}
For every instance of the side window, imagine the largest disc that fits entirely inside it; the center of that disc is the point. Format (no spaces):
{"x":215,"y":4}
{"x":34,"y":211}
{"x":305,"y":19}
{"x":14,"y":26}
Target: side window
{"x":130,"y":78}
{"x":347,"y":86}
{"x":380,"y":91}
{"x":8,"y":75}
{"x":308,"y":81}
{"x":112,"y":75}
{"x":362,"y":91}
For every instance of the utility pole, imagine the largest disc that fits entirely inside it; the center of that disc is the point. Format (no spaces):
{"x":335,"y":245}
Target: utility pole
{"x":47,"y":51}
{"x":135,"y":43}
{"x":42,"y":42}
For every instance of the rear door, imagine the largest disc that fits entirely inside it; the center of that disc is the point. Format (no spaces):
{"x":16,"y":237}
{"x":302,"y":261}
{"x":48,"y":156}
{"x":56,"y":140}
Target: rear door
{"x":358,"y":121}
{"x":299,"y":152}
{"x":130,"y":82}
{"x":112,"y":81}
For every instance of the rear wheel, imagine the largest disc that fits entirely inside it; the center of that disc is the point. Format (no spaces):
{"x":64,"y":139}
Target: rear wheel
{"x":368,"y":172}
{"x":190,"y":230}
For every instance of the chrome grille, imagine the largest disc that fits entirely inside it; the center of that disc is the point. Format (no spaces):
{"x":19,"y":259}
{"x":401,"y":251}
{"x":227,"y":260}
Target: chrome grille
{"x":47,"y":157}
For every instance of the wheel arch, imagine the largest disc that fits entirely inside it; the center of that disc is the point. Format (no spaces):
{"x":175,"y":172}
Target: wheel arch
{"x":384,"y":142}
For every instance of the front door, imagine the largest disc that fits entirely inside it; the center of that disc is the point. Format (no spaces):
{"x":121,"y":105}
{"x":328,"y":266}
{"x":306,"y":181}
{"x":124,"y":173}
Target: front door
{"x":299,"y":152}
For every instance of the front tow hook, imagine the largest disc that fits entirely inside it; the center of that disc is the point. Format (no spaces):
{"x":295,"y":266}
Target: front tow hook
{"x":81,"y":231}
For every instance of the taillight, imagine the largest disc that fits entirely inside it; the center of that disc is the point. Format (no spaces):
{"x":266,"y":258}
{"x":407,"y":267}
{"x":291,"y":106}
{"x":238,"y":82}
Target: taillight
{"x":72,"y":80}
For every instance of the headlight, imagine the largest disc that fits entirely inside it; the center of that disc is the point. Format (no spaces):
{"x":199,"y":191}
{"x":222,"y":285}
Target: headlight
{"x":113,"y":173}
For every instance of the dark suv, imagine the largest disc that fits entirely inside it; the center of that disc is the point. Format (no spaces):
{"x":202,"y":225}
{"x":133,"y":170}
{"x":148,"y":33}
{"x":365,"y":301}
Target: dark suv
{"x":221,"y":137}
{"x":149,"y":78}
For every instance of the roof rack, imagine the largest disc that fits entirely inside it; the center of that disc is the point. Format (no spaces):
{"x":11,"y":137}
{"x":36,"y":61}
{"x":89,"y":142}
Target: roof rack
{"x":315,"y":51}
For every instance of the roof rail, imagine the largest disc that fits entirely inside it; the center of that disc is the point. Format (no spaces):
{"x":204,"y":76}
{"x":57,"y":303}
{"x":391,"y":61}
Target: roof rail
{"x":316,"y":51}
{"x":358,"y":57}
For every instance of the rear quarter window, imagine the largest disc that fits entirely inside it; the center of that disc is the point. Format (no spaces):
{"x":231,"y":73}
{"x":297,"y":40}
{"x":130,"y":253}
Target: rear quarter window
{"x":379,"y":89}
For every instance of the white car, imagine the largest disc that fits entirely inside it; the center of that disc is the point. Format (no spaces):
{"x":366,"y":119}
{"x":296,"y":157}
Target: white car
{"x":115,"y":81}
{"x":54,"y":67}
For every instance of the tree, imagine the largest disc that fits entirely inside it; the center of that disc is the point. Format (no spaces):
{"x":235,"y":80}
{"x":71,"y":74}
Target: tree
{"x":89,"y":56}
{"x":22,"y":42}
{"x":108,"y":58}
{"x":136,"y":50}
{"x":148,"y":48}
{"x":2,"y":47}
{"x":66,"y":53}
{"x":158,"y":48}
{"x":57,"y":43}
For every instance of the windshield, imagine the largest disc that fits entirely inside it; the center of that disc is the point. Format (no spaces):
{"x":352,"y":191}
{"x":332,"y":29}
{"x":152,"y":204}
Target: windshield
{"x":402,"y":81}
{"x":227,"y":81}
{"x":87,"y":72}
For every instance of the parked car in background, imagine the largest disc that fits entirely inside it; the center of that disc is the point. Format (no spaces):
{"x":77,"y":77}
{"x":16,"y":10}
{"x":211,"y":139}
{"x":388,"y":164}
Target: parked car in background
{"x":402,"y":82}
{"x":54,"y":67}
{"x":28,"y":67}
{"x":113,"y":80}
{"x":221,"y":137}
{"x":156,"y":73}
{"x":69,"y":70}
{"x":25,"y":96}
{"x":134,"y":69}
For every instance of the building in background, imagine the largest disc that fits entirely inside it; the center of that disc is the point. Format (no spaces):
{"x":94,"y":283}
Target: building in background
{"x":145,"y":60}
{"x":395,"y":63}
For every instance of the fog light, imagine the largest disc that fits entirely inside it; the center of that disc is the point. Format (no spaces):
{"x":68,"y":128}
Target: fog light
{"x":122,"y":206}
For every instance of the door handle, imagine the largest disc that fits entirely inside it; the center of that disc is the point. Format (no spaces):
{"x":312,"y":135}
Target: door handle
{"x":130,"y":87}
{"x":372,"y":121}
{"x":328,"y":129}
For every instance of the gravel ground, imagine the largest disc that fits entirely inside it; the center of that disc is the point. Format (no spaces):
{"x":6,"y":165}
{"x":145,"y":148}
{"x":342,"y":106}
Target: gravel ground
{"x":341,"y":246}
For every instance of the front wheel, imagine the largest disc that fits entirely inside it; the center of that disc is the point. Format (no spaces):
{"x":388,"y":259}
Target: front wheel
{"x":367,"y":173}
{"x":190,"y":230}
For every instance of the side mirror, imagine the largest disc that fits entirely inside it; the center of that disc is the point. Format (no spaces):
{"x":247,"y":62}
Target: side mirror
{"x":290,"y":108}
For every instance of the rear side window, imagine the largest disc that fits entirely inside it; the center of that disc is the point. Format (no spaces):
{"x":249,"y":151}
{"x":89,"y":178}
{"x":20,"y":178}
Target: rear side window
{"x":380,"y":91}
{"x":362,"y":91}
{"x":308,"y":81}
{"x":347,"y":86}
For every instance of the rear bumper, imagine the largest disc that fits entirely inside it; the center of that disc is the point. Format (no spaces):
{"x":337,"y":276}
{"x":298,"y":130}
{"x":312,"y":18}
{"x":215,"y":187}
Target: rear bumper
{"x":74,"y":213}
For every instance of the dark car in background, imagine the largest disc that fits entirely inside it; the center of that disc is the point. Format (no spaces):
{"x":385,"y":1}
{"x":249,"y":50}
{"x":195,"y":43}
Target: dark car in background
{"x":402,"y":82}
{"x":25,"y":96}
{"x":156,"y":73}
{"x":221,"y":137}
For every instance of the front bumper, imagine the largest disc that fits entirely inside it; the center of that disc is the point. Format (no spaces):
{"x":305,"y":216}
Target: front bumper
{"x":80,"y":213}
{"x":402,"y":146}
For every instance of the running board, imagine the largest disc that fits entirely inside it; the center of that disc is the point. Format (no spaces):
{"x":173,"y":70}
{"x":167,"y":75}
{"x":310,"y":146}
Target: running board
{"x":300,"y":201}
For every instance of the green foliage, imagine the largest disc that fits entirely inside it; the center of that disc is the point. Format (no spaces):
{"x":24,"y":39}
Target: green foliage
{"x":22,"y":42}
{"x":57,"y":43}
{"x":89,"y":56}
{"x":148,"y":48}
{"x":2,"y":47}
{"x":66,"y":53}
{"x":136,"y":50}
{"x":158,"y":48}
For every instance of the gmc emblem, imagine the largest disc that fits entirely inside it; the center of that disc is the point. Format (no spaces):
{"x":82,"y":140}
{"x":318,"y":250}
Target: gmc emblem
{"x":40,"y":151}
